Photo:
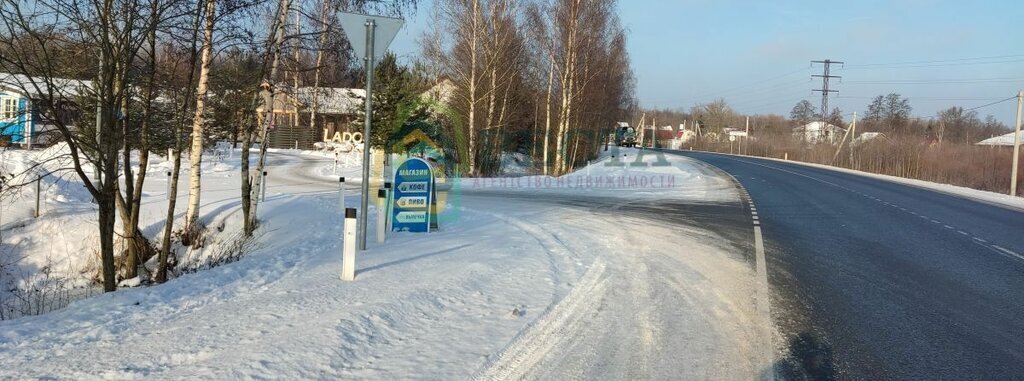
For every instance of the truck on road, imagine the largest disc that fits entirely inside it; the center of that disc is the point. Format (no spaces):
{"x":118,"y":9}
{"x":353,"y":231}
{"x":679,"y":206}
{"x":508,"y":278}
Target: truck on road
{"x":625,"y":136}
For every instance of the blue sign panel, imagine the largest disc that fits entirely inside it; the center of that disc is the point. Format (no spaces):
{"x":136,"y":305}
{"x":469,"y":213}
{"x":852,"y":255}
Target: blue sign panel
{"x":413,"y":195}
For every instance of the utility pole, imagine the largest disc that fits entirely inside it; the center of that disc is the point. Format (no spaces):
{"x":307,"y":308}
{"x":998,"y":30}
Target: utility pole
{"x":853,"y":136}
{"x":654,"y":132}
{"x":824,"y":90}
{"x":1016,"y":145}
{"x":746,"y":138}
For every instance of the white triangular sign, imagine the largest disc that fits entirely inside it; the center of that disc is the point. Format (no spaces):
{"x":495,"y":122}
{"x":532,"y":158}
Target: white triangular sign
{"x":354,"y":25}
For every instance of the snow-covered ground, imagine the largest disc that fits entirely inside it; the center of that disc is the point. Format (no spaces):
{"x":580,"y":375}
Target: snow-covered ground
{"x":546,"y":283}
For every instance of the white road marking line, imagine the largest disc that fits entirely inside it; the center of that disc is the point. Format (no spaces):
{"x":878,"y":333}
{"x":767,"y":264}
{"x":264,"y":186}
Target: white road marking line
{"x":962,"y":232}
{"x":763,"y":307}
{"x":979,"y":240}
{"x":948,"y":227}
{"x":1008,"y":252}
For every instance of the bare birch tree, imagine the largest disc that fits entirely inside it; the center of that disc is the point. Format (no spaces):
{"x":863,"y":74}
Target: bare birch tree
{"x":198,"y":122}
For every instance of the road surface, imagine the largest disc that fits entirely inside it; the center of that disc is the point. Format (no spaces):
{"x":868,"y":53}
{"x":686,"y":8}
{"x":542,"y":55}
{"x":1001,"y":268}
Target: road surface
{"x":876,"y":280}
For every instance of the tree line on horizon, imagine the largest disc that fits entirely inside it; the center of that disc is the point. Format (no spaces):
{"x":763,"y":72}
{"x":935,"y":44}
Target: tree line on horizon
{"x":890,"y":114}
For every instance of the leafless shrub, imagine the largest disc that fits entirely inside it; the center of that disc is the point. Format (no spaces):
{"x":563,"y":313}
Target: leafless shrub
{"x":26,"y":293}
{"x":193,"y":236}
{"x":228,"y":249}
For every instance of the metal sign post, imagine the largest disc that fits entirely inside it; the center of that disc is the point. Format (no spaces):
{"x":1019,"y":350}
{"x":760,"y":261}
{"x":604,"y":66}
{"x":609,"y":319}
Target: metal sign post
{"x":370,"y":29}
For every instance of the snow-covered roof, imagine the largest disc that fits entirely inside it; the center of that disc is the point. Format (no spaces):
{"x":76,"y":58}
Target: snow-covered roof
{"x":332,"y":100}
{"x":818,"y":126}
{"x":441,"y":92}
{"x":329,"y":100}
{"x":866,"y":136}
{"x":1001,"y":140}
{"x":33,"y":86}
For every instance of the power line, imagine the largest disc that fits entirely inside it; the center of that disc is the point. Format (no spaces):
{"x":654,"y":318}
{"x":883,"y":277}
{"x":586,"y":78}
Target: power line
{"x":933,"y":65}
{"x":972,"y":108}
{"x":991,"y":104}
{"x":756,"y":95}
{"x":932,"y":81}
{"x":950,"y":62}
{"x":762,"y":106}
{"x":922,"y":98}
{"x":751,"y":84}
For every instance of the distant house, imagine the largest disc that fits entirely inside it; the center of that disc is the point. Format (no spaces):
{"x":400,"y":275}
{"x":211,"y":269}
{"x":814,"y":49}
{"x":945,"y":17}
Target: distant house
{"x":663,"y":135}
{"x":819,"y":132}
{"x":866,"y":137}
{"x":22,"y":120}
{"x":1001,"y":140}
{"x":335,"y":109}
{"x":666,"y":137}
{"x":685,"y":135}
{"x":442,"y":92}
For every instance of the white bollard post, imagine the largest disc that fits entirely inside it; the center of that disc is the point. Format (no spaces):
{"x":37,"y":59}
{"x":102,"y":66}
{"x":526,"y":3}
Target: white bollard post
{"x":169,"y":195}
{"x":38,"y":196}
{"x":263,"y":187}
{"x":382,"y":221}
{"x":348,"y":255}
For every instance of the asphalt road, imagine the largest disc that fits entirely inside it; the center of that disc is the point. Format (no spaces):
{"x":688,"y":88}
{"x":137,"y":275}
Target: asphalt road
{"x":876,"y":280}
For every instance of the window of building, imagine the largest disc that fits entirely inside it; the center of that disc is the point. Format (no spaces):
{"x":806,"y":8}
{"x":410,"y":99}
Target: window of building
{"x":8,"y":108}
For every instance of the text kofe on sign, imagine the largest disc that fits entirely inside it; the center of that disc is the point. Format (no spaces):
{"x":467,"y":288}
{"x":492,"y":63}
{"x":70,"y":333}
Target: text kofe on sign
{"x":414,"y":187}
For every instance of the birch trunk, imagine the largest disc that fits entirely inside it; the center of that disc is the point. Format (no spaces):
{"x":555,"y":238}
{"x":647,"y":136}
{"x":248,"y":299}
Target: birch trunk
{"x":175,"y":157}
{"x":319,"y":66}
{"x":196,"y":154}
{"x":547,"y":117}
{"x":257,"y":177}
{"x":473,"y":45}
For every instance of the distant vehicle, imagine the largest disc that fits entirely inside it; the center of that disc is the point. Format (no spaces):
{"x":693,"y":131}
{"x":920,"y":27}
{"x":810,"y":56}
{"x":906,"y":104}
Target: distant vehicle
{"x":625,"y":136}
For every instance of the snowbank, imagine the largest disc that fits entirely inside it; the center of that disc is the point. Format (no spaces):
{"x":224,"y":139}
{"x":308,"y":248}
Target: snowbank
{"x":508,"y":282}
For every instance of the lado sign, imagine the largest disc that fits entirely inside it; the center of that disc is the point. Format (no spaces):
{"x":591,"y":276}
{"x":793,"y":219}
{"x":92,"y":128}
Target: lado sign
{"x":343,"y":137}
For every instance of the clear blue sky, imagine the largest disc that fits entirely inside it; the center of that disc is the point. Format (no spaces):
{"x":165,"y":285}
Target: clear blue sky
{"x":756,"y":54}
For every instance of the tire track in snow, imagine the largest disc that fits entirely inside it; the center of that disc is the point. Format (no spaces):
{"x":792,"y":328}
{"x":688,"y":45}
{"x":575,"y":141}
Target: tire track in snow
{"x":532,"y":343}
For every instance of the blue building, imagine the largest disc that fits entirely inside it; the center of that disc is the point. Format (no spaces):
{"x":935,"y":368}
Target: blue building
{"x":21,"y":121}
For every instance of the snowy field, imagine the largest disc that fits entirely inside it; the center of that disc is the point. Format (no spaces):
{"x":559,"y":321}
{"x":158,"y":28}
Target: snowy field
{"x":516,"y":284}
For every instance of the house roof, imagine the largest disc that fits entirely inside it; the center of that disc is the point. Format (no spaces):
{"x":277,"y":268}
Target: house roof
{"x":330,"y":100}
{"x":818,"y":126}
{"x":441,"y":92}
{"x":33,"y":86}
{"x":1001,"y":140}
{"x":662,"y":133}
